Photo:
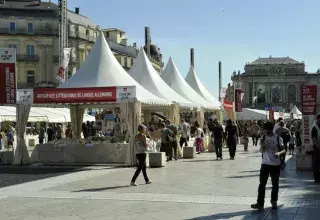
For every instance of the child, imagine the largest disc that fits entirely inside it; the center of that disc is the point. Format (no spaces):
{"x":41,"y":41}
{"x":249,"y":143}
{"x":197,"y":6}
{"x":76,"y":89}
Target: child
{"x":292,"y":143}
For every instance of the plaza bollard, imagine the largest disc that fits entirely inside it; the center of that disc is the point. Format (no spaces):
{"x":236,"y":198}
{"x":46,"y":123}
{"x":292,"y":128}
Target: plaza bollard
{"x":157,"y":159}
{"x":189,"y":152}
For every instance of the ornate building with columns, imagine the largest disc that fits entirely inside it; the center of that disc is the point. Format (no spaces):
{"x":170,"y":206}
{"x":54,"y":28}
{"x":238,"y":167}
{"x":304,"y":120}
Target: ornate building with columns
{"x":273,"y":81}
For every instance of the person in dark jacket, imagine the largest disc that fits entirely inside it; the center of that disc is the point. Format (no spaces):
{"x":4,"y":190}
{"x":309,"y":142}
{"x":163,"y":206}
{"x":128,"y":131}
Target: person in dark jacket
{"x":217,"y":134}
{"x":232,"y":138}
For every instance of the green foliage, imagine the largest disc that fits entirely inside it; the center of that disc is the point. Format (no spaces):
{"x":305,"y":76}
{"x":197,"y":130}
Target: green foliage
{"x":6,"y":125}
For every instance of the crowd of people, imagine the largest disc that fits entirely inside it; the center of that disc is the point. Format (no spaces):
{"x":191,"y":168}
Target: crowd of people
{"x":275,"y":138}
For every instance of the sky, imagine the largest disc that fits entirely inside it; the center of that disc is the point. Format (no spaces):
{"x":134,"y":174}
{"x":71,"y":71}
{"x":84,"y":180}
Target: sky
{"x":231,"y":31}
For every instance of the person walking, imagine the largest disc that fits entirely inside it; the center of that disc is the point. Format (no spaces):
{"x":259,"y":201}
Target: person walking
{"x":166,"y":138}
{"x":272,"y":148}
{"x":199,"y":135}
{"x":42,"y":134}
{"x":141,"y":154}
{"x":173,"y":151}
{"x":255,"y":130}
{"x":184,"y":130}
{"x":284,"y":133}
{"x":232,"y":138}
{"x":315,"y":135}
{"x":292,"y":142}
{"x":217,"y":135}
{"x":246,"y":137}
{"x":50,"y":133}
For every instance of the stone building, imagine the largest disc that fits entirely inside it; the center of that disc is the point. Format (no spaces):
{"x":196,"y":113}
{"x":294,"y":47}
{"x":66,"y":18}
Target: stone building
{"x":32,"y":27}
{"x":126,"y":54}
{"x":274,"y":81}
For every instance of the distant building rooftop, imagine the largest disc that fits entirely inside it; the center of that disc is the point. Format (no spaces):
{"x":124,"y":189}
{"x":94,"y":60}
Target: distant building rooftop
{"x":275,"y":60}
{"x":114,"y":29}
{"x":24,"y":7}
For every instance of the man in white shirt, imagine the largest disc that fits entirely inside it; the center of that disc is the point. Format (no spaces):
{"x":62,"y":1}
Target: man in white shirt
{"x":272,"y":149}
{"x":277,"y":125}
{"x":184,"y":130}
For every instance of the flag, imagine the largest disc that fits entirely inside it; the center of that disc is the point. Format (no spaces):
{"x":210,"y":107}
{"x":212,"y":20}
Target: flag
{"x":64,"y":64}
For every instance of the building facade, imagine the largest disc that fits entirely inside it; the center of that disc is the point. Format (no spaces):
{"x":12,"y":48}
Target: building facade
{"x":273,"y":81}
{"x":126,"y":54}
{"x":32,"y":27}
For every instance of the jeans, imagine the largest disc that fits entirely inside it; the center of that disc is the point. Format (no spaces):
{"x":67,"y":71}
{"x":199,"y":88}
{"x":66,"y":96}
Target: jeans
{"x":232,"y":145}
{"x":173,"y":149}
{"x":165,"y":147}
{"x":218,"y":147}
{"x":283,"y":157}
{"x":255,"y":139}
{"x":274,"y":172}
{"x":141,"y":166}
{"x":183,"y":141}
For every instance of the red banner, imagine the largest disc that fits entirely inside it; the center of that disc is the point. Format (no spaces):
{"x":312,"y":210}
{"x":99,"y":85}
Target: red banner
{"x":306,"y":130}
{"x":309,"y":100}
{"x":7,"y":76}
{"x":228,"y":105}
{"x":7,"y":83}
{"x":271,"y":114}
{"x":237,"y":100}
{"x":75,"y":95}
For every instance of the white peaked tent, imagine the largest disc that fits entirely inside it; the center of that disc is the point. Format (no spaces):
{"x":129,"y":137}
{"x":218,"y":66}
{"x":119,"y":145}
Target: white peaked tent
{"x":193,"y":80}
{"x":101,"y":69}
{"x":144,"y":73}
{"x":295,"y":111}
{"x":174,"y":79}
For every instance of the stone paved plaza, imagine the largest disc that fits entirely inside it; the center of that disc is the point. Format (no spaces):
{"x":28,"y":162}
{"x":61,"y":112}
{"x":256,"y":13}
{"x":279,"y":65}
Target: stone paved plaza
{"x":199,"y":188}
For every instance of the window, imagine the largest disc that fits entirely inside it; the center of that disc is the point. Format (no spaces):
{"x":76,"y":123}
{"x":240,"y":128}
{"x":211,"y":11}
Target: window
{"x":30,"y":78}
{"x":30,"y":27}
{"x":30,"y":50}
{"x":87,"y":32}
{"x":12,"y":26}
{"x":120,"y":34}
{"x":132,"y":62}
{"x":12,"y":46}
{"x":69,"y":74}
{"x":107,"y":34}
{"x":125,"y":62}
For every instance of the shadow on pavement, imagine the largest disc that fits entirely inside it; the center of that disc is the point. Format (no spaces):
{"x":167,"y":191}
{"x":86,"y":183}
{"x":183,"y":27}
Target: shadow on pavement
{"x":12,"y":175}
{"x":249,"y":214}
{"x":102,"y":189}
{"x":243,"y":176}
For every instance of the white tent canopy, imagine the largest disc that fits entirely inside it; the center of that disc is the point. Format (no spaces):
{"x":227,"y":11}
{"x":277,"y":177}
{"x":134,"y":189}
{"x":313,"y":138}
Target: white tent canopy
{"x":101,"y":69}
{"x":193,"y":80}
{"x":174,"y":79}
{"x":39,"y":114}
{"x":252,"y":114}
{"x":144,"y":73}
{"x":295,"y":111}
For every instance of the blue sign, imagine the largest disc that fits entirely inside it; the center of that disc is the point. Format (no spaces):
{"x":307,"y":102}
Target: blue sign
{"x":266,"y":107}
{"x":109,"y":117}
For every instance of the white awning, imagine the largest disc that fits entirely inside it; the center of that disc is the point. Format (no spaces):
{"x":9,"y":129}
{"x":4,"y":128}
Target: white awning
{"x":39,"y":114}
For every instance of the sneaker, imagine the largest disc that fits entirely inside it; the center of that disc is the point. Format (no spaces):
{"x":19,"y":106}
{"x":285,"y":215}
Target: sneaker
{"x":274,"y":205}
{"x":133,"y":184}
{"x":257,"y":206}
{"x":149,"y":182}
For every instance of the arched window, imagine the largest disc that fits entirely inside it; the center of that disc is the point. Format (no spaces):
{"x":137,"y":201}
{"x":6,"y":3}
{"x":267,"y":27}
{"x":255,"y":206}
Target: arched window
{"x":292,"y":93}
{"x":276,"y":94}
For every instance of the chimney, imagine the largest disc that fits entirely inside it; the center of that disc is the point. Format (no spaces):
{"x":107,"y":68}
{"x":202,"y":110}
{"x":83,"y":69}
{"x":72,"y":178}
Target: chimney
{"x":192,"y":57}
{"x":147,"y":38}
{"x":220,"y":80}
{"x":134,"y":44}
{"x":77,"y":10}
